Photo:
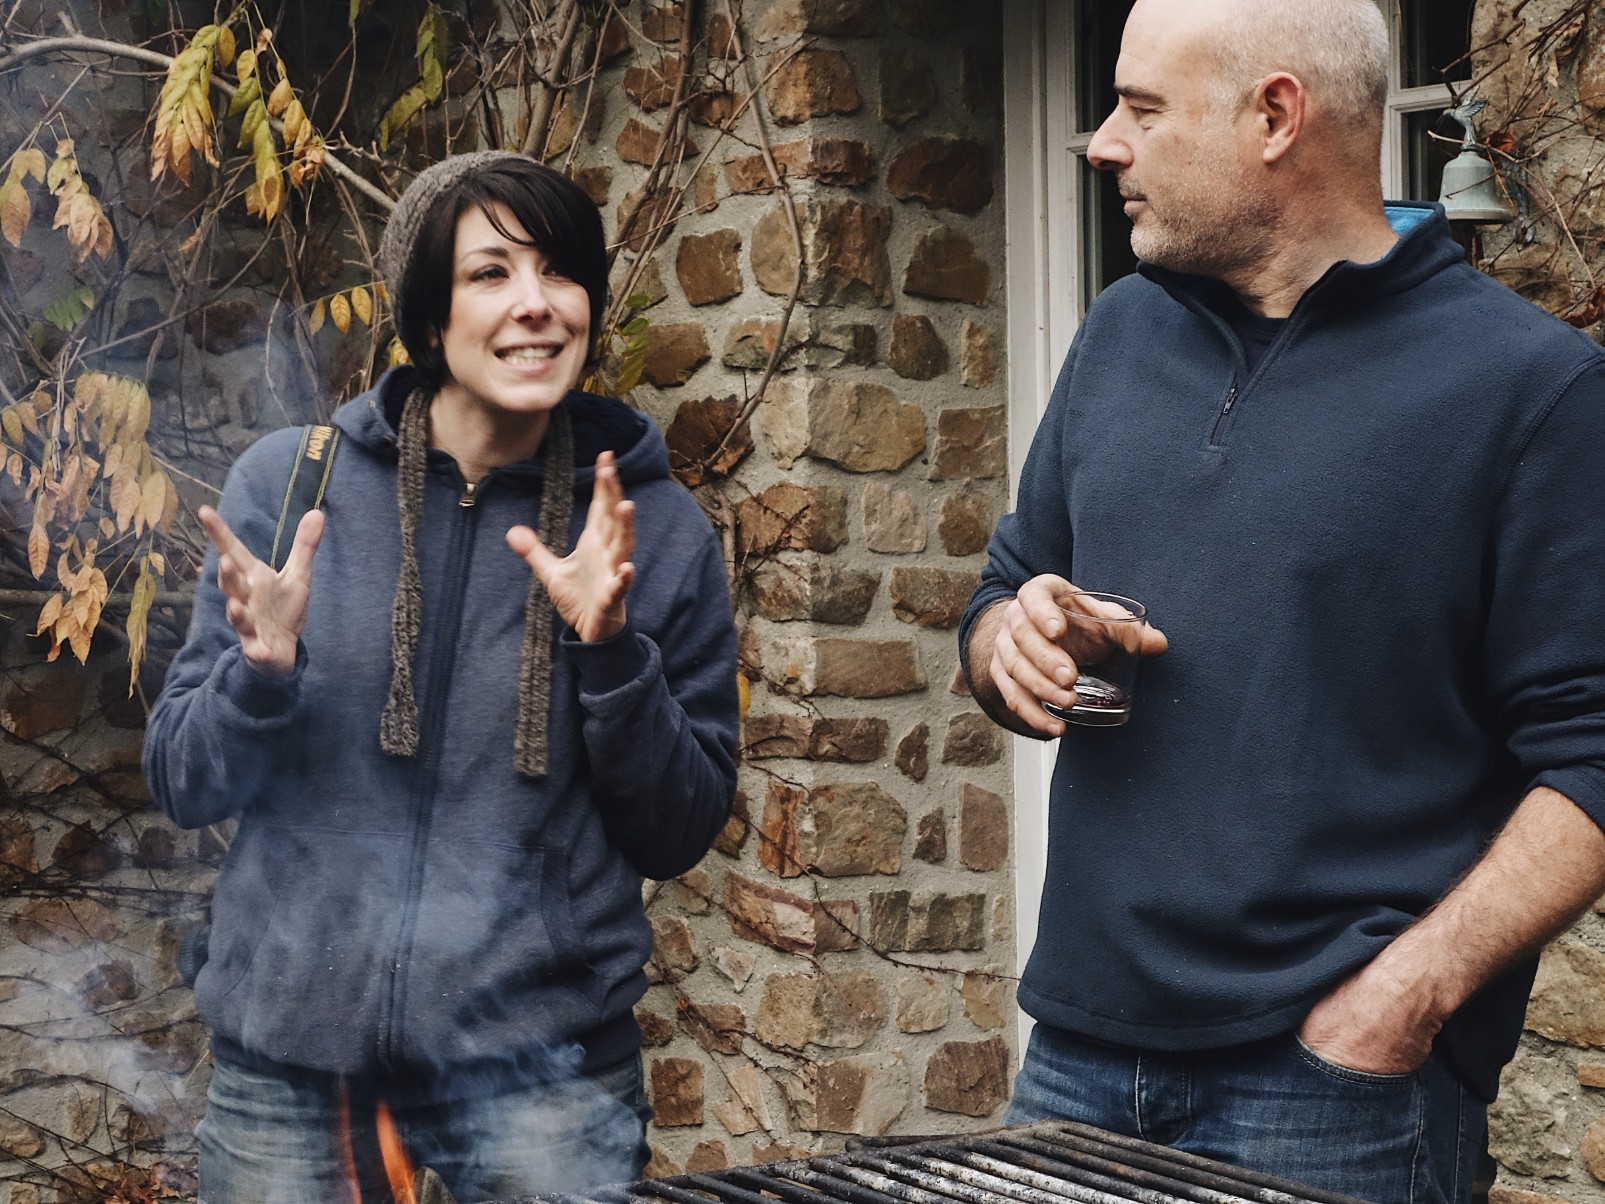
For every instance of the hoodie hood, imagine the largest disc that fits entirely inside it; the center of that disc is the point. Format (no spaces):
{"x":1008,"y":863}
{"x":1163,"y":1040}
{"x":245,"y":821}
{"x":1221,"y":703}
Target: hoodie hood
{"x":600,"y":424}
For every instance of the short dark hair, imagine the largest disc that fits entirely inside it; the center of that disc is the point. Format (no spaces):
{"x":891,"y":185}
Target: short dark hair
{"x":559,"y":218}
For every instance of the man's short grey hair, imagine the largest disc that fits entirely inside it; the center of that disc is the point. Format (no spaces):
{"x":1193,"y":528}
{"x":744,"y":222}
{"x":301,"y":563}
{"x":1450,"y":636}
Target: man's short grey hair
{"x":1338,"y":49}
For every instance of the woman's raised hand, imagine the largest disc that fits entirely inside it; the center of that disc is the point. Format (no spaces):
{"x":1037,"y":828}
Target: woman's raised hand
{"x":588,"y":586}
{"x":266,"y":608}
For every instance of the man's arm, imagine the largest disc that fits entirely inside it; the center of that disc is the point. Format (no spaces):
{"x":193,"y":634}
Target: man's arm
{"x":1540,"y":873}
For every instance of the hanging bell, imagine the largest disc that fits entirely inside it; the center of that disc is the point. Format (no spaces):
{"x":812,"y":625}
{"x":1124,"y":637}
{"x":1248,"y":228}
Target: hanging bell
{"x":1469,"y":193}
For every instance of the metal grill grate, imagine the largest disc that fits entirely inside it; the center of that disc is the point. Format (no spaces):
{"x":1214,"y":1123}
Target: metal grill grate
{"x":1045,"y":1163}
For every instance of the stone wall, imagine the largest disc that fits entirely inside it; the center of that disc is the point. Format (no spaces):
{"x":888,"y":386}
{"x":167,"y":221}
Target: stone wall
{"x":843,"y":962}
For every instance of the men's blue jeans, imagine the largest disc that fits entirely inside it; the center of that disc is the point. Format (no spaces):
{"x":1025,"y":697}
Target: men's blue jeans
{"x":1272,"y":1106}
{"x":265,"y":1140}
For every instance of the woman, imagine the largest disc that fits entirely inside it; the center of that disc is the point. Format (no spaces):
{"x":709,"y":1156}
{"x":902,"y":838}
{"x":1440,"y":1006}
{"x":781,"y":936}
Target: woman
{"x":433,"y":900}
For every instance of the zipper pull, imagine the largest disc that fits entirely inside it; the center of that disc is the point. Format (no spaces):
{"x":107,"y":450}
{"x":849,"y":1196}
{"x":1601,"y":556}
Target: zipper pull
{"x":1231,"y":400}
{"x":470,"y":495}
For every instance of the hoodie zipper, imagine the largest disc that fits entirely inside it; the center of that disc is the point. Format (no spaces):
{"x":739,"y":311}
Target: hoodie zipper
{"x":431,"y":727}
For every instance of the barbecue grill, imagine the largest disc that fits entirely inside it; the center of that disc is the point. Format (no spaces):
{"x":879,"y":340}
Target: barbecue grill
{"x":1049,"y":1162}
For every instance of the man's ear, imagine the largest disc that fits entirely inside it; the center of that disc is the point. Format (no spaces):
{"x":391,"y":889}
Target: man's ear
{"x":1280,"y":101}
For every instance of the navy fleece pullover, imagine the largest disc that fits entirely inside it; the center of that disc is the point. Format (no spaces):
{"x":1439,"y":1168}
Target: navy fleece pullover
{"x":407,"y":916}
{"x":1380,"y":562}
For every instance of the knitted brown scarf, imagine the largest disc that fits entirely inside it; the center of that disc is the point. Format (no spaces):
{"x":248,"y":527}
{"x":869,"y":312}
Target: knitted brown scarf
{"x":398,"y":726}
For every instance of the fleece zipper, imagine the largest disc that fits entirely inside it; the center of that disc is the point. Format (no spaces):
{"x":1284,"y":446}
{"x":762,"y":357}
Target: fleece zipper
{"x":431,"y":729}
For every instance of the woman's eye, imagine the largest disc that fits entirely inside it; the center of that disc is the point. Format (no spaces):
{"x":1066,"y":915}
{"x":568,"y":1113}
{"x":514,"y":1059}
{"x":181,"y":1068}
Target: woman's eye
{"x":487,"y":273}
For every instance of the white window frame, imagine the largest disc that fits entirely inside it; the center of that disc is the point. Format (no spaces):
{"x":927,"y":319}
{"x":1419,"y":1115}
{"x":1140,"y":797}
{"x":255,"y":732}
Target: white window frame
{"x":1047,"y":265}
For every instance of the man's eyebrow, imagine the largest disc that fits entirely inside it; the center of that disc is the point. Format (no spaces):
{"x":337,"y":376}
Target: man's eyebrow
{"x":1132,"y":92}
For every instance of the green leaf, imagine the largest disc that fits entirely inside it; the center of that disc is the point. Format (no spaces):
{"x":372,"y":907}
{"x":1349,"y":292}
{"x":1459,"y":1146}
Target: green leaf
{"x":635,"y":326}
{"x":403,"y":111}
{"x":248,"y":94}
{"x":69,"y":309}
{"x":638,"y":301}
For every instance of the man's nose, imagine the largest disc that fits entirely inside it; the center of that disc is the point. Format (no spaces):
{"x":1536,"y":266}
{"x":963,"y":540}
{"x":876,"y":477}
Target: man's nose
{"x":1106,"y":151}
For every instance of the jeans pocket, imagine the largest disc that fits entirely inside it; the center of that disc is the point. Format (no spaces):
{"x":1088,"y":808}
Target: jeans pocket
{"x":1347,"y":1074}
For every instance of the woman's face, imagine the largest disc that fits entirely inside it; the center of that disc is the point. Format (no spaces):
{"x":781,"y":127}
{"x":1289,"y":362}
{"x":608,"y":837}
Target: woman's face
{"x":517,"y":332}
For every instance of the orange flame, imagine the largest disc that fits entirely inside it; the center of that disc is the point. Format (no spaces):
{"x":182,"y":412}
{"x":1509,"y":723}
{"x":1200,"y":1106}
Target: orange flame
{"x":348,"y":1156}
{"x":398,"y":1167}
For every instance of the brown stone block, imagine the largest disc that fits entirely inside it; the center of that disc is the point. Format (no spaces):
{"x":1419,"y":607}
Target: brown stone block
{"x":1591,"y":1074}
{"x":836,"y":18}
{"x":821,"y":592}
{"x":966,"y":523}
{"x":661,"y":1164}
{"x":706,"y":440}
{"x":866,"y":668}
{"x":225,"y":326}
{"x":771,"y":736}
{"x":676,"y":1092}
{"x":656,"y":1029}
{"x":843,"y":162}
{"x":863,"y":427}
{"x":836,"y":925}
{"x":749,"y":344}
{"x":983,"y":829}
{"x":652,"y":87}
{"x":972,"y":739}
{"x":85,"y":854}
{"x":18,"y":1138}
{"x":1593,"y":1149}
{"x":663,"y":22}
{"x":796,"y":517}
{"x":732,"y":837}
{"x":924,"y":1003}
{"x":865,"y":1093}
{"x":907,"y":86}
{"x":154,"y":849}
{"x":813,"y":82}
{"x":844,"y":253}
{"x":971,"y":444}
{"x":786,"y":1010}
{"x":707,"y":1156}
{"x":108,"y":985}
{"x":638,"y":143}
{"x":930,"y":837}
{"x":674,"y":351}
{"x":913,"y":753}
{"x":932,"y":597}
{"x":782,"y":820}
{"x":1568,"y":999}
{"x":917,"y":351}
{"x":717,"y":1027}
{"x":986,"y":995}
{"x":850,"y":741}
{"x":709,"y":267}
{"x":945,"y":265}
{"x":841,"y":343}
{"x":776,"y":1151}
{"x":712,"y":106}
{"x":736,"y":965}
{"x":971,"y":1079}
{"x":673,"y":953}
{"x":646,"y":219}
{"x":1500,"y":1194}
{"x":692,"y":891}
{"x":945,"y":173}
{"x":744,"y":1109}
{"x":978,"y":355}
{"x":853,"y":829}
{"x":938,"y":923}
{"x":18,"y":859}
{"x":44,"y":699}
{"x":769,"y":915}
{"x":62,"y":925}
{"x":892,"y":520}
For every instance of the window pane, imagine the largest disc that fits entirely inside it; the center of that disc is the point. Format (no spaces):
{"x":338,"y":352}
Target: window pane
{"x":1437,"y":34}
{"x":1098,"y":27}
{"x":1106,"y":234}
{"x":1427,"y":155}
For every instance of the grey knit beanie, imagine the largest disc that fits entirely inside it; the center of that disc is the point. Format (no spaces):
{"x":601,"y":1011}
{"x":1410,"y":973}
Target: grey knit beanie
{"x":407,"y":219}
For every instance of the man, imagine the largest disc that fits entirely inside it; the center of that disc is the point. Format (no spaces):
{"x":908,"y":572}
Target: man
{"x":1293,"y":906}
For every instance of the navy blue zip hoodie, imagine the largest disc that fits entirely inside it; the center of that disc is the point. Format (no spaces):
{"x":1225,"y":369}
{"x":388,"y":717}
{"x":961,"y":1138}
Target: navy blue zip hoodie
{"x":413,"y":917}
{"x":1380,"y":562}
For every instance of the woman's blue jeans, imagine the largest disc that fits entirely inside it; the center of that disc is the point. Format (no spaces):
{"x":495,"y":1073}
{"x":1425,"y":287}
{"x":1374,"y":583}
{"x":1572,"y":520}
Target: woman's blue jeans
{"x":1273,"y":1106}
{"x":265,"y":1140}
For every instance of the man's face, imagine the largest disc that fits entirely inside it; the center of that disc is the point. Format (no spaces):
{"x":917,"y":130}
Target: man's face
{"x":1184,"y":161}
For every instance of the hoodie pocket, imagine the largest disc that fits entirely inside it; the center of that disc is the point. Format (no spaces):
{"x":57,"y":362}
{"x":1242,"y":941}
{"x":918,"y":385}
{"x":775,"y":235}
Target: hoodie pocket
{"x":304,"y":928}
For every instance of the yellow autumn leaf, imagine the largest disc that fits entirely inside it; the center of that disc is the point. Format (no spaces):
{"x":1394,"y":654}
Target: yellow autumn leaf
{"x":125,"y":499}
{"x":320,"y":313}
{"x":38,"y":551}
{"x":153,"y":497}
{"x":158,"y":562}
{"x":184,"y":108}
{"x":16,"y":210}
{"x":11,"y":425}
{"x":362,"y":305}
{"x":138,"y":611}
{"x":164,"y":524}
{"x":281,"y":96}
{"x":114,"y":459}
{"x":398,"y":353}
{"x":30,"y":162}
{"x":48,"y":614}
{"x":107,"y":527}
{"x":14,"y":469}
{"x":225,"y":45}
{"x":246,"y":67}
{"x":340,"y":313}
